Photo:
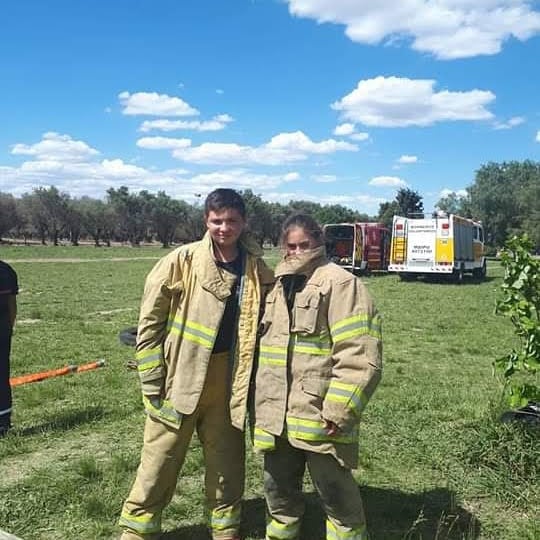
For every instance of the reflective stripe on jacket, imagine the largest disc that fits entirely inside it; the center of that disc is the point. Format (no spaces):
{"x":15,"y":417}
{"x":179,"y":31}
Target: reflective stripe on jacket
{"x":181,"y":311}
{"x":325,"y":368}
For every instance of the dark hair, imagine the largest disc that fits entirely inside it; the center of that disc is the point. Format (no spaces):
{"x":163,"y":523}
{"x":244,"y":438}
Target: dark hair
{"x":305,"y":222}
{"x":222,"y":199}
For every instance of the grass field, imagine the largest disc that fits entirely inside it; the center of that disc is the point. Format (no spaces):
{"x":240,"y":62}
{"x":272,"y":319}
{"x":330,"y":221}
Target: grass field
{"x":435,"y":463}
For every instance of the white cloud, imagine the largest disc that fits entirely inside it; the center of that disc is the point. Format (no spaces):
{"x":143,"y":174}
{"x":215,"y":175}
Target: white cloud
{"x":282,"y":148}
{"x":407,"y":159}
{"x":324,"y":178}
{"x":216,"y":124}
{"x":511,"y":123}
{"x":387,"y":181}
{"x":56,"y":148}
{"x":348,"y":129}
{"x":358,"y":201}
{"x":154,"y":104}
{"x":447,"y":29}
{"x":360,"y":136}
{"x":90,"y":176}
{"x":344,"y":129}
{"x":242,"y":179}
{"x":400,"y":102}
{"x":459,"y":192}
{"x":538,"y":136}
{"x":163,"y":143}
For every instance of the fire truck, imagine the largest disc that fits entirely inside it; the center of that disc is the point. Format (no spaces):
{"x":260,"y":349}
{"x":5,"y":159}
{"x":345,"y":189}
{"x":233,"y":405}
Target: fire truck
{"x":443,"y":244}
{"x":358,"y":247}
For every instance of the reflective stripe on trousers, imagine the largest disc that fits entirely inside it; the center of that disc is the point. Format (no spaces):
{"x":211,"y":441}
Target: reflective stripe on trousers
{"x":163,"y":455}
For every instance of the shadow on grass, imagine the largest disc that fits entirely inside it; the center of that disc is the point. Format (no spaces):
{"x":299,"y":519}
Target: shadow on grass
{"x":65,"y":420}
{"x":449,"y":280}
{"x":391,"y":515}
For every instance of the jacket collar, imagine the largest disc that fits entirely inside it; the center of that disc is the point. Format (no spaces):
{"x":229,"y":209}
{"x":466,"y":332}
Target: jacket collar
{"x":212,"y":278}
{"x":305,"y":263}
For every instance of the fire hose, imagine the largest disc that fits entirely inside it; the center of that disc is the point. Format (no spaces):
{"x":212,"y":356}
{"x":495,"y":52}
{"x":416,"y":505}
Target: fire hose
{"x":42,"y":375}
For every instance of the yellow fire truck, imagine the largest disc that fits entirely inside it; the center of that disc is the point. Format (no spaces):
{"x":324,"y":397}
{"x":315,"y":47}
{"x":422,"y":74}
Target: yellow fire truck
{"x":439,"y":245}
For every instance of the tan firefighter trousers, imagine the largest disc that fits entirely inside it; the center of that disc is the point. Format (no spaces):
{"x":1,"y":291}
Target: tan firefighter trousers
{"x":283,"y":473}
{"x":163,"y":453}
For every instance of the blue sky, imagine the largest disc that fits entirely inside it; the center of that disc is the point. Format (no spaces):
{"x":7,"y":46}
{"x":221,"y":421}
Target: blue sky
{"x":335,"y":101}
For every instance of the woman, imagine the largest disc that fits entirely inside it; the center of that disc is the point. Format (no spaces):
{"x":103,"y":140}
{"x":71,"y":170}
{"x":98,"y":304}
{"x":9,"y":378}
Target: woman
{"x":320,"y":360}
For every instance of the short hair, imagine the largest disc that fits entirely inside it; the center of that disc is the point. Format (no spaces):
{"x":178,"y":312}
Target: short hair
{"x":305,"y":222}
{"x":222,"y":199}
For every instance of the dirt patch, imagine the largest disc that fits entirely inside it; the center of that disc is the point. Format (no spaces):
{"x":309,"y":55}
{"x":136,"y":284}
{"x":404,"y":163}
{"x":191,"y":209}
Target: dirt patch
{"x":111,"y":311}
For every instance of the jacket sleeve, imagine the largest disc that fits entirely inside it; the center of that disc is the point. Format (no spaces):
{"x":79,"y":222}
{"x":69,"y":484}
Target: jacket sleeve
{"x":152,"y":328}
{"x":355,"y":330}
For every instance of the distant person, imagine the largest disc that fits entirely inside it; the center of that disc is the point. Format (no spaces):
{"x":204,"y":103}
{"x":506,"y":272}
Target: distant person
{"x":8,"y":312}
{"x":320,"y":360}
{"x":195,"y":346}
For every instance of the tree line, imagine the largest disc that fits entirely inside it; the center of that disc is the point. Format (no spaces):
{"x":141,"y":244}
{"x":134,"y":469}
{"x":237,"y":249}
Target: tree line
{"x":504,"y":196}
{"x":49,"y":215}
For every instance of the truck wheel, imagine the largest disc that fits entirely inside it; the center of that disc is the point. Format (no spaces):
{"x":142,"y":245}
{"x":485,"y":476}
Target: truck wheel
{"x":459,"y":275}
{"x":480,"y":273}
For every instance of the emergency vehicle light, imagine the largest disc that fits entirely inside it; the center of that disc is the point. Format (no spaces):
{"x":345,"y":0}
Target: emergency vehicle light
{"x":399,"y":226}
{"x":446,"y":225}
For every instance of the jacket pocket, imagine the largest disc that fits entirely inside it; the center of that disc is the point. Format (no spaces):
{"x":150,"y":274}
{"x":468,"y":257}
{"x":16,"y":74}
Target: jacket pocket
{"x":305,"y":314}
{"x":315,"y":386}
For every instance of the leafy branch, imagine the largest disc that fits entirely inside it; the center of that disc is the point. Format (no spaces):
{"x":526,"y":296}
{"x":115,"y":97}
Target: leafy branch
{"x":521,"y":302}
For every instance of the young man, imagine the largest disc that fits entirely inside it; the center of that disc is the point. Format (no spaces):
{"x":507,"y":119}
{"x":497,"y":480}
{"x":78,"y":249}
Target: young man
{"x":8,"y":311}
{"x":195,"y":346}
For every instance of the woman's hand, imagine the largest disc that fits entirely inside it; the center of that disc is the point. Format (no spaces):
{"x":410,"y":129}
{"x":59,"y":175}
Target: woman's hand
{"x":331,"y":428}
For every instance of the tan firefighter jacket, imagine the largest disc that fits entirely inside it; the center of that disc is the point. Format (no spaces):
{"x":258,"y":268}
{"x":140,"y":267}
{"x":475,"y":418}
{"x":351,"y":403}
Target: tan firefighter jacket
{"x":182,"y":307}
{"x":321,"y":362}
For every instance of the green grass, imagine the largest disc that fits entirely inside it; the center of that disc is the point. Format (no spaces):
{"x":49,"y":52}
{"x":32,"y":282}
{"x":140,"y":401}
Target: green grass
{"x":435,"y":462}
{"x":19,"y":252}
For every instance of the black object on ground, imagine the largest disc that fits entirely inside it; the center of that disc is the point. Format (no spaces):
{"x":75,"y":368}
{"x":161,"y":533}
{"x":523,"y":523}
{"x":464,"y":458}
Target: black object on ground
{"x":128,"y":336}
{"x":530,"y":414}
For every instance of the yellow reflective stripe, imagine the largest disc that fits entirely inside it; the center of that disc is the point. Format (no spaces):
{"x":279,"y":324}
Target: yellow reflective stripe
{"x":149,"y":358}
{"x":199,"y":340}
{"x":349,"y":394}
{"x":210,"y":332}
{"x":277,"y":350}
{"x":312,"y":350}
{"x":347,"y":321}
{"x":333,"y":533}
{"x":317,"y":345}
{"x":225,"y":519}
{"x":166,"y":411}
{"x":145,"y":353}
{"x":355,"y":326}
{"x":311,"y":430}
{"x":194,"y":332}
{"x":273,"y":356}
{"x":142,"y":524}
{"x":266,"y":361}
{"x":282,"y":531}
{"x":263,"y":440}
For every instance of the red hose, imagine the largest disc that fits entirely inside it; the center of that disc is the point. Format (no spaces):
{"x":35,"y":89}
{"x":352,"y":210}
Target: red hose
{"x":42,"y":375}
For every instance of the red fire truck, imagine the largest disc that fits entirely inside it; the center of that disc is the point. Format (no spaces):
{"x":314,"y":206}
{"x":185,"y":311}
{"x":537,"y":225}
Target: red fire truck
{"x":358,"y":247}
